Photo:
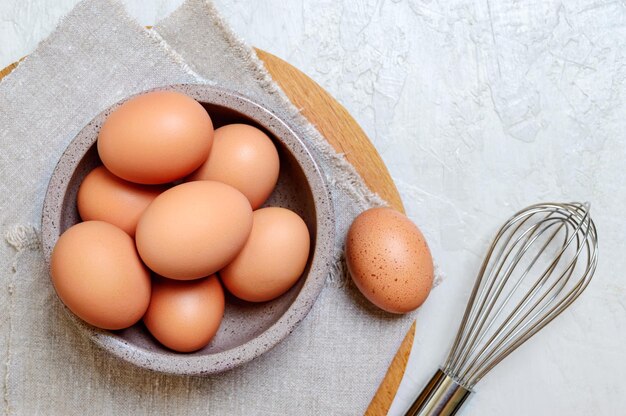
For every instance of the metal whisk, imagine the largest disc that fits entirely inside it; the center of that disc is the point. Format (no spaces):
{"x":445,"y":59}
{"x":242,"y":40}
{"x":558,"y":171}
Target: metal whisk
{"x":539,"y":263}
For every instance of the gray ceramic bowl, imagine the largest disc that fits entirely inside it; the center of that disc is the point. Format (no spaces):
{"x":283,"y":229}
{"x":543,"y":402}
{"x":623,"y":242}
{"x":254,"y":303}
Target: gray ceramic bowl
{"x":247,"y":330}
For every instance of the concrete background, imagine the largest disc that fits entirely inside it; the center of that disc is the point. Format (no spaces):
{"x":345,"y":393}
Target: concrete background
{"x":478,"y":109}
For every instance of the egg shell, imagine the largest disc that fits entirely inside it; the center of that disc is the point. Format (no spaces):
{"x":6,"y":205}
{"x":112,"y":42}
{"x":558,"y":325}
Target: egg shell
{"x":98,"y":275}
{"x":245,"y":158}
{"x":155,"y":138}
{"x":194,"y":229}
{"x":389,"y":260}
{"x":105,"y":197}
{"x":185,"y":316}
{"x":273,"y":258}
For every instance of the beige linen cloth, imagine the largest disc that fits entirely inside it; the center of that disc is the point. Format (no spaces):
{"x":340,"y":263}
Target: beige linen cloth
{"x":331,"y":364}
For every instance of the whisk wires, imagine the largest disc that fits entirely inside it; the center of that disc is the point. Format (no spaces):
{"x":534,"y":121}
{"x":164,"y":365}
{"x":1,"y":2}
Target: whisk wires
{"x":538,"y":264}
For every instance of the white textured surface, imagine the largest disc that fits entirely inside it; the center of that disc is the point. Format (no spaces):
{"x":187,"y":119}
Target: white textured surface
{"x":478,"y":109}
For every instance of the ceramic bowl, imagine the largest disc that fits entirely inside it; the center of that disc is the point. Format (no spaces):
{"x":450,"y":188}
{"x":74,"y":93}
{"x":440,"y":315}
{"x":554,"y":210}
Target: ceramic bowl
{"x":248,"y":329}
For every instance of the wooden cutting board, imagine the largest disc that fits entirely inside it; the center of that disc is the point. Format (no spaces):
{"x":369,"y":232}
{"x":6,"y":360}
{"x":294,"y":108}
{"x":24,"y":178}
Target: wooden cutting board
{"x":347,"y":137}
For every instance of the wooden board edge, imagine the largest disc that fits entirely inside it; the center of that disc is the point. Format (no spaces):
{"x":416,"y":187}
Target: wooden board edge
{"x":6,"y":71}
{"x":379,"y":181}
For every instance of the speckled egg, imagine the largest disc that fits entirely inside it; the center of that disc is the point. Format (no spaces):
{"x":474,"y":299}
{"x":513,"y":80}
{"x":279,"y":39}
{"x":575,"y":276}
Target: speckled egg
{"x":389,"y":260}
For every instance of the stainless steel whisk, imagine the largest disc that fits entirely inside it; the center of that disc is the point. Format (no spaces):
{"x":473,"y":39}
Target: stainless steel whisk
{"x":538,"y":264}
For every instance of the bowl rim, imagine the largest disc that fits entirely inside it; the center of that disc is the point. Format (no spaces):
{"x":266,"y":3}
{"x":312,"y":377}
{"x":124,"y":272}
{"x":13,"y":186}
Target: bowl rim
{"x":182,"y":364}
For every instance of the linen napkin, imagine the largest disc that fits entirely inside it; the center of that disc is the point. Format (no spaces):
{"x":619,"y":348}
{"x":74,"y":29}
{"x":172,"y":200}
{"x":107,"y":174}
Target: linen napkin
{"x":331,"y":364}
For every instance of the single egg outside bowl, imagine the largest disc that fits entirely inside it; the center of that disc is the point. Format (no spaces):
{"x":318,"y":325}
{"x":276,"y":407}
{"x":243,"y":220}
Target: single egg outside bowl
{"x":247,"y":329}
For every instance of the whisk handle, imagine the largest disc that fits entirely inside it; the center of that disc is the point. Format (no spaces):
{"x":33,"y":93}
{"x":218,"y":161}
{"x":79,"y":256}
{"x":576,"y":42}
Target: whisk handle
{"x":442,"y":396}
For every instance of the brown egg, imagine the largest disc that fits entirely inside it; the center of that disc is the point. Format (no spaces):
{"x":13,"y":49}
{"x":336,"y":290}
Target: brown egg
{"x":194,"y":229}
{"x":245,"y":158}
{"x":273,"y":258}
{"x":105,"y":197}
{"x":389,"y":260}
{"x":185,"y":316}
{"x":156,"y":137}
{"x":97,"y":273}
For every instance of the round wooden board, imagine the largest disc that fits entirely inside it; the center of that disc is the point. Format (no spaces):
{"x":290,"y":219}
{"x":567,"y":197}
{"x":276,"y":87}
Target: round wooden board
{"x":335,"y":123}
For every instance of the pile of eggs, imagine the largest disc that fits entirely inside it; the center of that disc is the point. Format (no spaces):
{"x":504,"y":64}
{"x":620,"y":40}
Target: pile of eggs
{"x":172,"y":217}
